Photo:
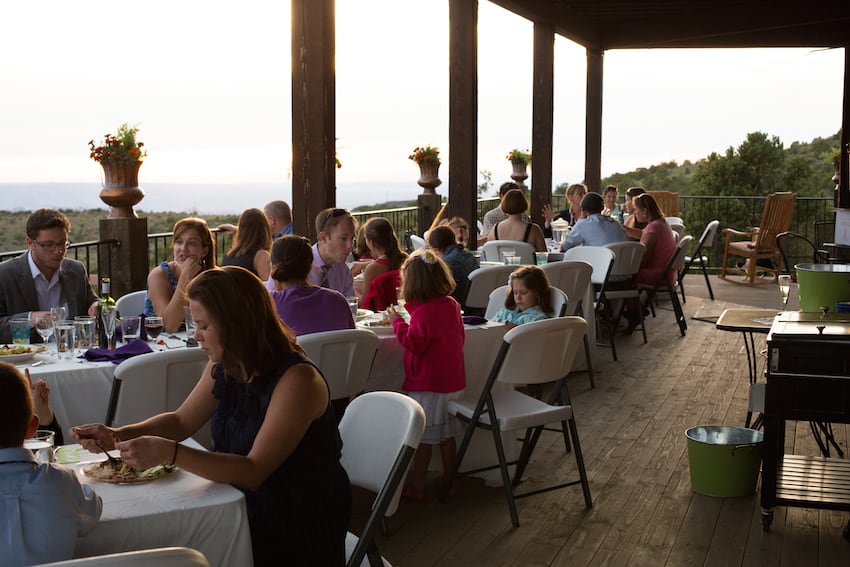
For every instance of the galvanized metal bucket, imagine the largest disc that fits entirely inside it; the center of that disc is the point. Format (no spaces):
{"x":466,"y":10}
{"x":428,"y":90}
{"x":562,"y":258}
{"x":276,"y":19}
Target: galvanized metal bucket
{"x":724,"y":460}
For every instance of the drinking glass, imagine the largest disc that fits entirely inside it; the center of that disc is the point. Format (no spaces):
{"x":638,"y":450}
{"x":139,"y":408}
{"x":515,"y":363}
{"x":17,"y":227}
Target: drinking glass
{"x":130,"y":328}
{"x":507,"y":253}
{"x":85,"y":326}
{"x":513,"y":260}
{"x":190,"y":327}
{"x":542,"y":258}
{"x":42,"y":445}
{"x":20,"y":331}
{"x":44,"y":326}
{"x":784,"y":288}
{"x":65,"y":332}
{"x":353,"y":304}
{"x":58,"y":313}
{"x":153,"y":327}
{"x":108,"y":316}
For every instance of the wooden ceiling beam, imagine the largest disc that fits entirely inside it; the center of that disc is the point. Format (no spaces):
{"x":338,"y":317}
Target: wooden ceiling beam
{"x":567,"y":21}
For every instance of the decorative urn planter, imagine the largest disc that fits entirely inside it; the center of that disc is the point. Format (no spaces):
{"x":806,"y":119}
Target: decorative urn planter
{"x":520,"y":171}
{"x":121,"y":189}
{"x":429,"y":177}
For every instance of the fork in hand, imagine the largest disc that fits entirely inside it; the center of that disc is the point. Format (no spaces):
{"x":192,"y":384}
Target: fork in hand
{"x":114,"y":461}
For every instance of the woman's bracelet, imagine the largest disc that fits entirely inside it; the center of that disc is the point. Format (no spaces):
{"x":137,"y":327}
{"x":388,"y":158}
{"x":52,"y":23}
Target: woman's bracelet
{"x":174,"y":456}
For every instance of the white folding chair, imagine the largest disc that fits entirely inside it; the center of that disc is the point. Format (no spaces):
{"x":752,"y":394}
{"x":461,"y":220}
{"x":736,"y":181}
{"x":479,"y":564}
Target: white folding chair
{"x":161,"y":557}
{"x":132,"y":303}
{"x":345,"y":358}
{"x":557,"y":298}
{"x":153,"y":383}
{"x":481,"y":282}
{"x":417,"y":242}
{"x":601,"y":258}
{"x":492,"y":251}
{"x":573,"y":278}
{"x":627,"y":259}
{"x":540,"y":352}
{"x":664,"y":285}
{"x":380,"y":433}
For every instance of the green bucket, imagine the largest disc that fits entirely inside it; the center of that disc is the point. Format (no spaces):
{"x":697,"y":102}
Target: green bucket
{"x":724,"y":460}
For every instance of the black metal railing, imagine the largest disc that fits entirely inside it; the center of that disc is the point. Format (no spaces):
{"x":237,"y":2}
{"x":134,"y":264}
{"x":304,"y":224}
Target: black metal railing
{"x":159,"y":246}
{"x":92,"y":254}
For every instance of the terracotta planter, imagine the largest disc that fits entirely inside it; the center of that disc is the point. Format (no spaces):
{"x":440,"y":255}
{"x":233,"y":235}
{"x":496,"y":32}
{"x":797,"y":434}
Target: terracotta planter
{"x":429,"y":177}
{"x":520,"y":171}
{"x":121,"y":189}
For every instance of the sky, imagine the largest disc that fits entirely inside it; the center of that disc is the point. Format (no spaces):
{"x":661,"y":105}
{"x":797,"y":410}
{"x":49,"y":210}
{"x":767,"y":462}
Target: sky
{"x":207,"y":83}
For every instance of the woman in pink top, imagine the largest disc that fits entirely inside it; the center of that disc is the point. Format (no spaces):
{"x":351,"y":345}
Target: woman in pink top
{"x":434,"y":372}
{"x":658,"y":239}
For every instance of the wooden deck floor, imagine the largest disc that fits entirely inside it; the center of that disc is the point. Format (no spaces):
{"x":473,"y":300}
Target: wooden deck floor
{"x":632,"y":428}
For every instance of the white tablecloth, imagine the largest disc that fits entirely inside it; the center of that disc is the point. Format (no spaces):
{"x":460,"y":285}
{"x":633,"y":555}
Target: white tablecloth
{"x":180,"y":509}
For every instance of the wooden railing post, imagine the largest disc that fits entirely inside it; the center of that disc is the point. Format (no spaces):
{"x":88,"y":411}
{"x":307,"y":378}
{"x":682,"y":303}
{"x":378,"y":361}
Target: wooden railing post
{"x":129,"y":256}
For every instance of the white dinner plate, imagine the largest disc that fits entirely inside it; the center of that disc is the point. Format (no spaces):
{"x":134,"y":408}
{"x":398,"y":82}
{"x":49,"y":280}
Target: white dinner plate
{"x":23,"y":357}
{"x":373,"y":325}
{"x":363,"y":314}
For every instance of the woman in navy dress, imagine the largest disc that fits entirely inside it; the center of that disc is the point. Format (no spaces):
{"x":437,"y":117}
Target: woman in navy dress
{"x":274,"y":430}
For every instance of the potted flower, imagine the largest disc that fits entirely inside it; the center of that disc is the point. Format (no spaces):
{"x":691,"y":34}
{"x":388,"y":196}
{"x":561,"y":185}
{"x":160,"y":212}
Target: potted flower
{"x":120,"y":155}
{"x":428,"y":159}
{"x":519,"y":160}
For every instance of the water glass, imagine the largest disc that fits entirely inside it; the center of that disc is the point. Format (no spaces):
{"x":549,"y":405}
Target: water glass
{"x":131,"y":327}
{"x":542,"y":258}
{"x":21,"y":331}
{"x":507,"y":253}
{"x":85,"y":327}
{"x":513,"y":260}
{"x":65,"y":332}
{"x":190,"y":327}
{"x":42,"y":445}
{"x":353,"y":304}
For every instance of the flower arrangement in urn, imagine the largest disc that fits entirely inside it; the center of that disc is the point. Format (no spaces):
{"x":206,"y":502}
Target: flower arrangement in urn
{"x":519,"y":155}
{"x":428,"y":154}
{"x":119,"y":148}
{"x":120,"y":155}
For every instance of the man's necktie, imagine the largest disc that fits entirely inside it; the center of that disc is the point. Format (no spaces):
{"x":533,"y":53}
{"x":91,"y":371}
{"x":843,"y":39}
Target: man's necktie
{"x":324,"y":281}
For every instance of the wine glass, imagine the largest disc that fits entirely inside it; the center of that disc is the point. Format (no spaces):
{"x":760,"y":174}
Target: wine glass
{"x":153,"y":327}
{"x":108,"y":315}
{"x":784,"y":288}
{"x":44,"y":326}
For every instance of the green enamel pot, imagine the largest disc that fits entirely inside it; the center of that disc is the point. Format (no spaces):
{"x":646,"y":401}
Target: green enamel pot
{"x":724,"y":460}
{"x":822,"y":285}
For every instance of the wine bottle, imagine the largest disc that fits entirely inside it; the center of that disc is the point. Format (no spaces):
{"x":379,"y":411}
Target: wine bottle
{"x":107,"y":302}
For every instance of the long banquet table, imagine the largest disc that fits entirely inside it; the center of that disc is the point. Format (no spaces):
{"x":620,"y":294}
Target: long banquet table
{"x":179,"y":509}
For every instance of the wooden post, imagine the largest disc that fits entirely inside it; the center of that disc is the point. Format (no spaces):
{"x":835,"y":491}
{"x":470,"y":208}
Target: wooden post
{"x":593,"y":124}
{"x":128,"y":266}
{"x":429,"y":205}
{"x":543,"y":97}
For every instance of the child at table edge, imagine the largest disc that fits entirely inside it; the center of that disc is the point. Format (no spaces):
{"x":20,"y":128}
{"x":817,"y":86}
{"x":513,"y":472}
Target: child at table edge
{"x":528,"y":298}
{"x":43,"y":506}
{"x":434,"y":370}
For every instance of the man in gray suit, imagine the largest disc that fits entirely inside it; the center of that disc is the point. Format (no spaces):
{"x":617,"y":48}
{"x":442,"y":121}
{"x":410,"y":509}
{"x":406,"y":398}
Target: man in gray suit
{"x":43,"y":278}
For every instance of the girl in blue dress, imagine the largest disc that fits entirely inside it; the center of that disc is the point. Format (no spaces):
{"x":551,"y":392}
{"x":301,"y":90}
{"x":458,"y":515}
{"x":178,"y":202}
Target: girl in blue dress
{"x":528,"y":298}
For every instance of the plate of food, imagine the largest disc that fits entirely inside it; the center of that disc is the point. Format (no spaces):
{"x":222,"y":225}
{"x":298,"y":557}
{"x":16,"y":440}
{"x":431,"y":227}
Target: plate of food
{"x":125,"y":474}
{"x":363,"y":314}
{"x":379,"y":323}
{"x":19,"y":353}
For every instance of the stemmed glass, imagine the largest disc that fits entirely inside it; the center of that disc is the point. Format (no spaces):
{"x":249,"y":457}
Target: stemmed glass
{"x":108,"y":315}
{"x":44,"y":326}
{"x":784,"y":289}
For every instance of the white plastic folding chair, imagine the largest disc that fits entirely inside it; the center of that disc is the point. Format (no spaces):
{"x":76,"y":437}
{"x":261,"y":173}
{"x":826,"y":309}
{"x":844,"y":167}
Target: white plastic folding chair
{"x":493,"y":249}
{"x":481,"y":282}
{"x":132,"y":303}
{"x":345,"y":358}
{"x":417,"y":242}
{"x":540,"y":352}
{"x":573,"y":278}
{"x":161,"y":557}
{"x":628,"y":256}
{"x":153,"y":383}
{"x":380,"y":433}
{"x":557,"y":298}
{"x":706,"y":241}
{"x":601,"y":258}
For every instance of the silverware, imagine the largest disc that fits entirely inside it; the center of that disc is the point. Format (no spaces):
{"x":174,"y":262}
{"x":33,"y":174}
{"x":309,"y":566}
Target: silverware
{"x":114,"y":461}
{"x":37,"y":363}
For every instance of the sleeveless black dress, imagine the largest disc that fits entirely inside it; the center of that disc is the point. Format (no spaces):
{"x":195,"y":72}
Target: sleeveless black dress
{"x":299,"y":516}
{"x":245,"y":261}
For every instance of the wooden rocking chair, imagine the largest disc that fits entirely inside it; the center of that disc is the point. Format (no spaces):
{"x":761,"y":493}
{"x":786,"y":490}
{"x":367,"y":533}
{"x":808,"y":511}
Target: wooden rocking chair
{"x":668,"y":201}
{"x":760,"y":243}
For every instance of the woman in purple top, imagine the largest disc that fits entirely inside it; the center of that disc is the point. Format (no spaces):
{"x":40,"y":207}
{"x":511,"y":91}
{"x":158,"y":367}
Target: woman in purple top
{"x":303,"y":307}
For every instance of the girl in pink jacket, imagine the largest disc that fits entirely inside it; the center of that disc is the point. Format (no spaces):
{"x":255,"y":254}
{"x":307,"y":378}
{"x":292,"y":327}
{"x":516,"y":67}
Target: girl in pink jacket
{"x":433,"y":358}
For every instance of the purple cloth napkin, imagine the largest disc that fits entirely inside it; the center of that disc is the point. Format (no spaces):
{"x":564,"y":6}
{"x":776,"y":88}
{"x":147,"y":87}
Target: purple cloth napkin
{"x":120,"y":354}
{"x":473,"y":320}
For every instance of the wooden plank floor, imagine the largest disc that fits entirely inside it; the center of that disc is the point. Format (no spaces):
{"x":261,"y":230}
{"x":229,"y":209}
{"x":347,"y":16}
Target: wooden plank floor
{"x":632,"y":428}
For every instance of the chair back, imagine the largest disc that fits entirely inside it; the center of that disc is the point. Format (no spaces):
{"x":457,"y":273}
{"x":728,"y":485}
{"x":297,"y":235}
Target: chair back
{"x":708,"y":236}
{"x":345,"y":358}
{"x":380,"y":433}
{"x":776,"y":218}
{"x":540,"y":351}
{"x":417,"y":242}
{"x":153,"y":383}
{"x":571,"y":277}
{"x":668,"y":201}
{"x":600,"y":257}
{"x":627,"y":257}
{"x":682,"y":249}
{"x":492,"y":251}
{"x":132,"y":303}
{"x":557,"y":298}
{"x":484,"y":280}
{"x":795,"y":249}
{"x":161,"y":557}
{"x":382,"y":291}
